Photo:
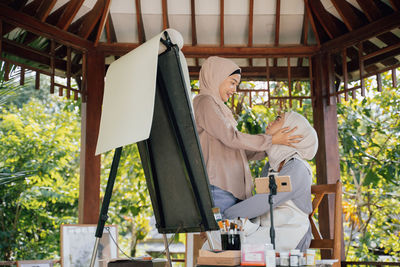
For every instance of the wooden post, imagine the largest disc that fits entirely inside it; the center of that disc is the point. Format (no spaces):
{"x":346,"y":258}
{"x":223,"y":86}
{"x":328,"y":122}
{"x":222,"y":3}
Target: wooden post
{"x":327,"y":158}
{"x":89,"y":189}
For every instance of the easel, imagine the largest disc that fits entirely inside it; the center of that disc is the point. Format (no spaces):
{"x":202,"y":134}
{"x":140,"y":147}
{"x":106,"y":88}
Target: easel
{"x":179,"y":139}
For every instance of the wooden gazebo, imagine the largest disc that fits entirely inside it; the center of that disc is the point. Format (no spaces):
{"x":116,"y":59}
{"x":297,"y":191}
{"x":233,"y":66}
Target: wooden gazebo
{"x":326,"y":42}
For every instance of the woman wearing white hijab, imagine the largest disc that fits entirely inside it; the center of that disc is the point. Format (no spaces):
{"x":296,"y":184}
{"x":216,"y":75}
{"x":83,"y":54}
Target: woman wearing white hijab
{"x":226,"y":151}
{"x":291,"y":209}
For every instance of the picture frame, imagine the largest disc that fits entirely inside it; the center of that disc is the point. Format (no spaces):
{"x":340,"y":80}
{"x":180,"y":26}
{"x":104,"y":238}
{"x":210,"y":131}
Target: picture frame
{"x":35,"y":263}
{"x":78,"y":240}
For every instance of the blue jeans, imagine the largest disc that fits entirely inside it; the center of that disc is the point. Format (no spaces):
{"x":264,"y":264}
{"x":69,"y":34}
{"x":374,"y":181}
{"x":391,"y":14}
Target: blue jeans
{"x":222,"y":199}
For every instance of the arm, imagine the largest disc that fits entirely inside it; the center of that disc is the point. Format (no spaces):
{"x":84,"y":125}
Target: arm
{"x":210,"y":118}
{"x":256,"y":155}
{"x":258,"y":204}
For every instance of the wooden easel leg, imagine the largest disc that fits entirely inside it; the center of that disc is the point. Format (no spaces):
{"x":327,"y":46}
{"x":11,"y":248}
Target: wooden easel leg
{"x":167,"y":249}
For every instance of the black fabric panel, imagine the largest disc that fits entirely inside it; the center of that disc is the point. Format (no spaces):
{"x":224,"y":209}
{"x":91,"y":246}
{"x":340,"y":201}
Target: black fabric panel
{"x":171,"y":157}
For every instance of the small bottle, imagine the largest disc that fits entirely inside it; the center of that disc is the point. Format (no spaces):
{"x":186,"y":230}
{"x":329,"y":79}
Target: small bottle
{"x":294,"y":257}
{"x":284,"y":258}
{"x":270,"y":258}
{"x":302,"y":259}
{"x":310,"y":257}
{"x":278,"y":261}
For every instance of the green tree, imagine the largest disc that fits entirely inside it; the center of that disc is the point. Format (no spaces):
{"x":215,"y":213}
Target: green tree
{"x":369,"y":132}
{"x":41,"y":141}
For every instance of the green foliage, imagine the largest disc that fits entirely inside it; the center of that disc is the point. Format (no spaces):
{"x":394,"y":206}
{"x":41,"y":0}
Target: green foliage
{"x":369,"y":131}
{"x":39,"y":166}
{"x":131,"y":206}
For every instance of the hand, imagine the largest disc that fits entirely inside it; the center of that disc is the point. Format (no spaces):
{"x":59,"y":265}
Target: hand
{"x":283,"y":137}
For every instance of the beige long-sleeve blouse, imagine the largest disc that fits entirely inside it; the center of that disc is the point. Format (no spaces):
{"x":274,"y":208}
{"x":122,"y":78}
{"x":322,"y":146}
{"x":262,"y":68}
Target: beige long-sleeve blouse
{"x":226,"y":151}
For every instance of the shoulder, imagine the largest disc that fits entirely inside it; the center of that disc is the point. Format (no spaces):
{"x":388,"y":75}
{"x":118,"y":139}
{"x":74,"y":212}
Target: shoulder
{"x":295,"y":167}
{"x":204,"y":100}
{"x":205,"y":104}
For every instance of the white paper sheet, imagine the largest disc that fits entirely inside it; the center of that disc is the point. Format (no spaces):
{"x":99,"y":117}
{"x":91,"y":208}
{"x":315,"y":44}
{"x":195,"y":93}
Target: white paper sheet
{"x":129,"y":92}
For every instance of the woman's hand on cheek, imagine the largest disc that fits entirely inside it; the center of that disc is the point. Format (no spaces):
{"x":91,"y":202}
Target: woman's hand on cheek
{"x":284,"y":137}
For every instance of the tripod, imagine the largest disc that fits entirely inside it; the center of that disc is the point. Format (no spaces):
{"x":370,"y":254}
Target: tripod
{"x":272,"y":191}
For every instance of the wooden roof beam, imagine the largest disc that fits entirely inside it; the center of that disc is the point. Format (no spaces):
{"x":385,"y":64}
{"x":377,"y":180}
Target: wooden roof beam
{"x":193,"y":20}
{"x":103,"y":19}
{"x":42,"y":14}
{"x":119,"y":49}
{"x":35,"y":26}
{"x":221,"y":23}
{"x":251,"y":20}
{"x":110,"y":31}
{"x":276,"y":73}
{"x":311,"y":19}
{"x":304,"y":34}
{"x":139,"y":20}
{"x":55,"y":15}
{"x":32,"y":7}
{"x":18,"y":4}
{"x":277,"y":21}
{"x":353,"y":21}
{"x":29,"y":9}
{"x":28,"y":53}
{"x":165,"y":14}
{"x":348,"y":15}
{"x":395,"y":4}
{"x":277,"y":25}
{"x":364,"y":33}
{"x":69,"y":14}
{"x":370,"y":9}
{"x":330,"y":24}
{"x":353,"y":65}
{"x":44,"y":9}
{"x":100,"y":9}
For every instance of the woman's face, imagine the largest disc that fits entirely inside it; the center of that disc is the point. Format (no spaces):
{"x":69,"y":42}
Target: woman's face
{"x":274,"y":126}
{"x":228,"y":87}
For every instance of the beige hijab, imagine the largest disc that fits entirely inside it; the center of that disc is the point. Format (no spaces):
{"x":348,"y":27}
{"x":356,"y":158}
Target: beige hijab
{"x":304,"y":150}
{"x":213,"y":72}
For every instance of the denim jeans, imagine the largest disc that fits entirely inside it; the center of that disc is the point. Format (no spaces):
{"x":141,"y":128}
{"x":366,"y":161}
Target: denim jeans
{"x":222,"y":199}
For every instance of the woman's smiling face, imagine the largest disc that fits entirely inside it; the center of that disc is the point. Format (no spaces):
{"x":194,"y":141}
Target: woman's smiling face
{"x":274,"y":126}
{"x":228,"y":87}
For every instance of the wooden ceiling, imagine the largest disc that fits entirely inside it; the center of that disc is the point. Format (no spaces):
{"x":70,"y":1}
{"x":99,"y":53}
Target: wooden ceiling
{"x":257,"y":34}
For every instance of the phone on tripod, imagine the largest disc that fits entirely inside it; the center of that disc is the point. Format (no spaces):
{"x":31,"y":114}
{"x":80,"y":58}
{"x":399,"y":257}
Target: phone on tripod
{"x":282,"y":182}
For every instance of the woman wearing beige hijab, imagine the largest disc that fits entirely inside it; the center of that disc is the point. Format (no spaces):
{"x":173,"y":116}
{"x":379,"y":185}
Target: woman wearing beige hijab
{"x":226,"y":151}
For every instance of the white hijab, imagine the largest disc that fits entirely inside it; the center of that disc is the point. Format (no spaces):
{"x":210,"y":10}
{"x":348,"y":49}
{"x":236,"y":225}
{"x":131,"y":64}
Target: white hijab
{"x":212,"y":73}
{"x":304,"y":150}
